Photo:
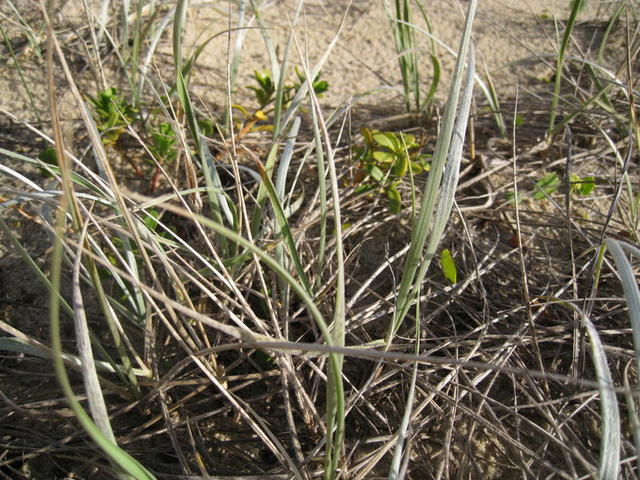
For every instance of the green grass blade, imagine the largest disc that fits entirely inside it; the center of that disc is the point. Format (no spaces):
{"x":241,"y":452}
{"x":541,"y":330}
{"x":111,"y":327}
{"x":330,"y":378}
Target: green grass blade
{"x":322,"y":191}
{"x":576,"y":6}
{"x":335,"y":390}
{"x":118,"y":456}
{"x":495,"y":105}
{"x":610,"y":24}
{"x":285,"y":231}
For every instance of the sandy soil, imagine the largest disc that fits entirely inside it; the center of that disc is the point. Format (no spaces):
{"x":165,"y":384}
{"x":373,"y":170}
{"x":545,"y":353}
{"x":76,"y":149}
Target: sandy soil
{"x":363,"y":62}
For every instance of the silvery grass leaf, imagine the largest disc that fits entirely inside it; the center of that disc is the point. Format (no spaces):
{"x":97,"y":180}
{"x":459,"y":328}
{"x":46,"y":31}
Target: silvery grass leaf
{"x":438,"y":193}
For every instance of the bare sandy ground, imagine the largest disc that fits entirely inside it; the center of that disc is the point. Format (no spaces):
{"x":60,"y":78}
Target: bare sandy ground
{"x":364,"y":60}
{"x":362,"y":63}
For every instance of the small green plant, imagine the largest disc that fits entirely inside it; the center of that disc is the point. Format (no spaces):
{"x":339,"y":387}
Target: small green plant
{"x":546,"y":186}
{"x":49,"y":157}
{"x":385,"y":159}
{"x":319,"y":86}
{"x":550,"y":183}
{"x":265,"y":95}
{"x":112,"y":114}
{"x":163,"y":148}
{"x":582,"y":186}
{"x":266,"y":89}
{"x":265,"y":92}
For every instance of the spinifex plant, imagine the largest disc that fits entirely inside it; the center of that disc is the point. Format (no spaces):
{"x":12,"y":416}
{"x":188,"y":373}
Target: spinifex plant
{"x":385,"y":159}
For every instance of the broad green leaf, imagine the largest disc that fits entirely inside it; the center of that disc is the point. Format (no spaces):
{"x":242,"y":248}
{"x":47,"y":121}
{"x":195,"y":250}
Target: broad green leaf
{"x":375,"y":172}
{"x":382,"y":156}
{"x":386,"y":140}
{"x":448,"y":266}
{"x":583,"y":186}
{"x":409,"y":140}
{"x":395,"y":201}
{"x":416,"y":168}
{"x":401,"y":164}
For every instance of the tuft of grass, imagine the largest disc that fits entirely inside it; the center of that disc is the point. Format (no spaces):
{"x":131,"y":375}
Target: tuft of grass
{"x":409,"y":58}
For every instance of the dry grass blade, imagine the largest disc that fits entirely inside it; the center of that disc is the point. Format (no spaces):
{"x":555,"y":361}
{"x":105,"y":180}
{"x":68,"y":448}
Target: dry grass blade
{"x":611,"y":437}
{"x":97,"y":405}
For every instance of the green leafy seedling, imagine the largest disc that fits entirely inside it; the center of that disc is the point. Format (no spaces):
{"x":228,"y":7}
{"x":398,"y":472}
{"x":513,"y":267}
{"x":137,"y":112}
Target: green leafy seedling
{"x":163,"y":148}
{"x":546,"y":186}
{"x":113,"y":114}
{"x":385,"y":159}
{"x":265,"y":91}
{"x":50,"y":157}
{"x":550,"y":183}
{"x":163,"y":145}
{"x":582,"y":186}
{"x":543,"y":187}
{"x":319,"y":86}
{"x":448,"y":266}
